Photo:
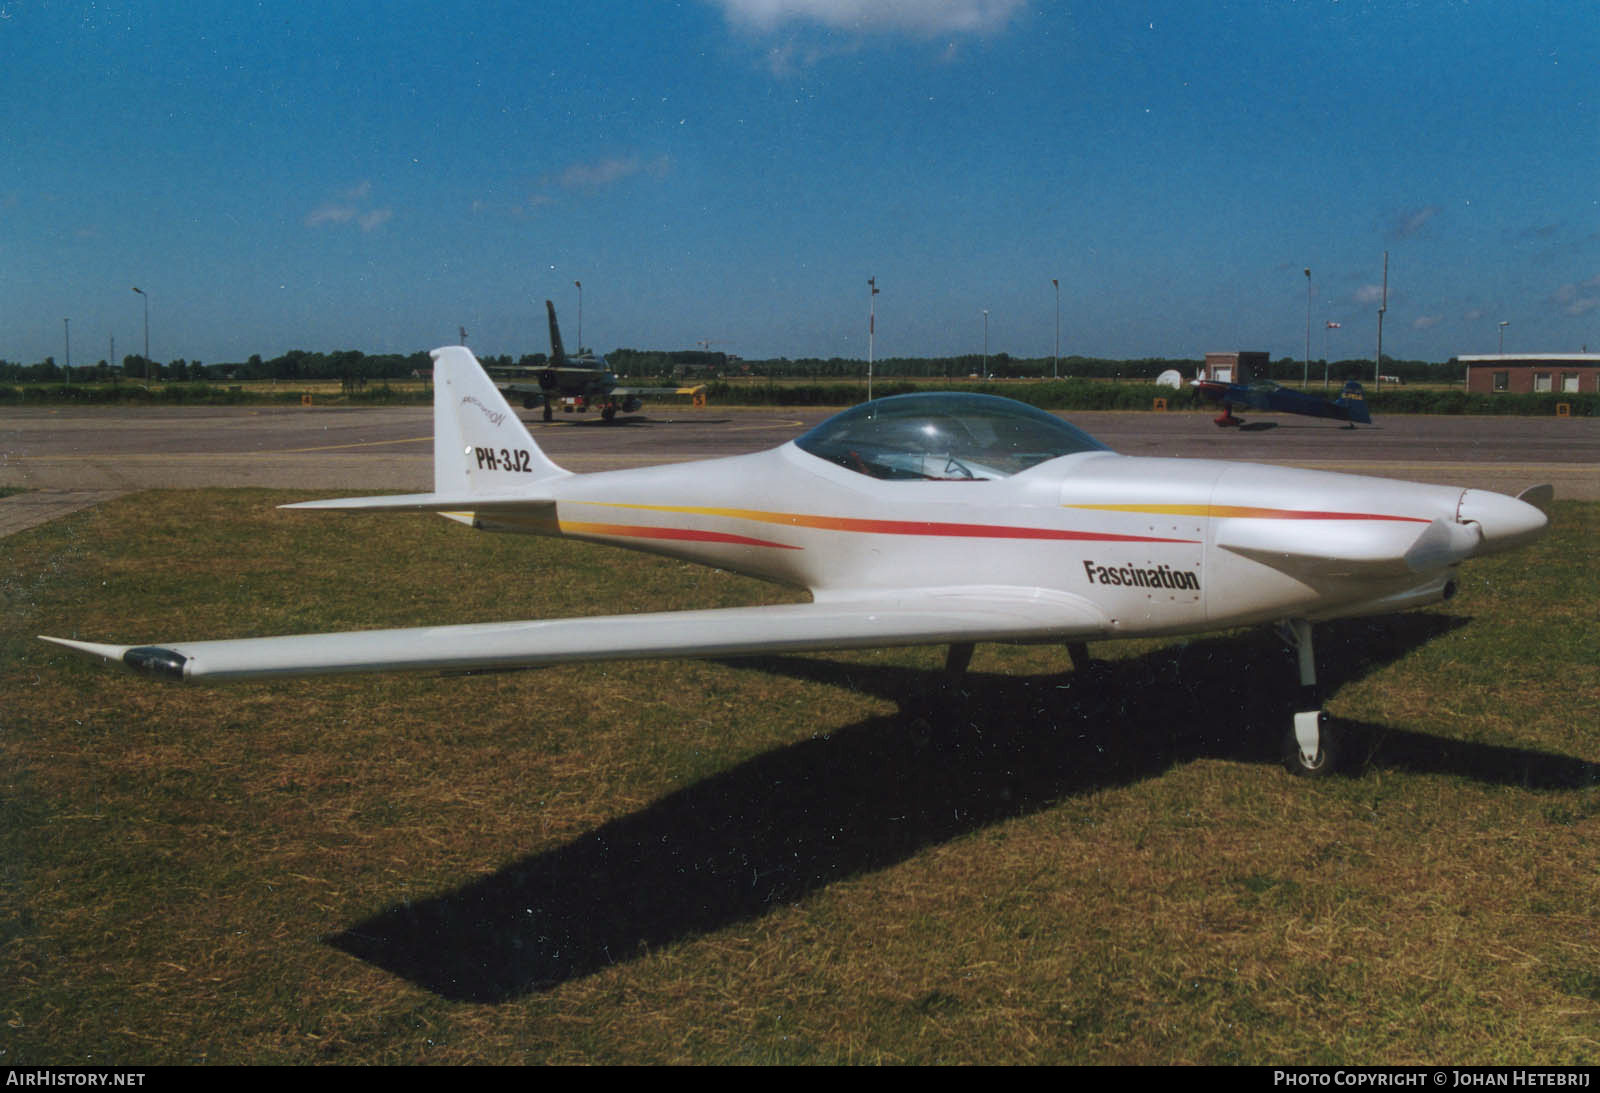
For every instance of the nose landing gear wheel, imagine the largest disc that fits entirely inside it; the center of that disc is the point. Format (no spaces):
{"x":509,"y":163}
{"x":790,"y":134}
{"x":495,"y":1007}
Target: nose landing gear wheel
{"x":1310,"y":747}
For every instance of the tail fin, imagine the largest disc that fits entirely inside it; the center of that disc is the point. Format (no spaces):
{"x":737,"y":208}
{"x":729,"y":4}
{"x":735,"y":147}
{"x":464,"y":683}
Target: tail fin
{"x":480,"y":446}
{"x":558,"y":355}
{"x":1354,"y":399}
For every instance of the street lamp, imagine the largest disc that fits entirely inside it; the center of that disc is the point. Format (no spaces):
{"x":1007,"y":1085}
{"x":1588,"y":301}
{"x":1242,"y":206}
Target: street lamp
{"x":1305,"y":380}
{"x":986,"y":344}
{"x":146,"y":298}
{"x":872,"y":327}
{"x":1327,"y":326}
{"x":579,"y":286}
{"x":1383,"y":309}
{"x":1055,"y":363}
{"x":1503,"y":324}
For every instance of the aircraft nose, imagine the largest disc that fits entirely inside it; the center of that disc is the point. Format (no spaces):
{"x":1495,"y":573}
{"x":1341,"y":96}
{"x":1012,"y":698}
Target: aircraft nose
{"x":1507,"y":523}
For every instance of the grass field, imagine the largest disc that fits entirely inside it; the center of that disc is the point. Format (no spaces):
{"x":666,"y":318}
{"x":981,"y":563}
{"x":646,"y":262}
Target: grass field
{"x":828,"y":858}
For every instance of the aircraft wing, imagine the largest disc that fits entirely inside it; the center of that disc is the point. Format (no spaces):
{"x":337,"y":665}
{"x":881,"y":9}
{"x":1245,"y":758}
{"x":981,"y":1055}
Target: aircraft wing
{"x":658,"y":392}
{"x":925,"y":616}
{"x":529,"y":371}
{"x":1231,"y":394}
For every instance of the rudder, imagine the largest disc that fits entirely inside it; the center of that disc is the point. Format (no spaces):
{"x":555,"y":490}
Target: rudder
{"x":1354,"y":399}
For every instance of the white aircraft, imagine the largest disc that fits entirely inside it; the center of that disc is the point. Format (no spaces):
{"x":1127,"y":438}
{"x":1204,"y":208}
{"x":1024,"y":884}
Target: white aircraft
{"x":923,"y":519}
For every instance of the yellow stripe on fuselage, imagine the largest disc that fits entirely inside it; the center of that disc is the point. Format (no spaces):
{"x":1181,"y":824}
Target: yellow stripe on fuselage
{"x":1250,"y":512}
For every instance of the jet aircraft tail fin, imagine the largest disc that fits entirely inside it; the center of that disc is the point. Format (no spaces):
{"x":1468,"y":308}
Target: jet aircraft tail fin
{"x":558,"y":355}
{"x":1354,"y":400}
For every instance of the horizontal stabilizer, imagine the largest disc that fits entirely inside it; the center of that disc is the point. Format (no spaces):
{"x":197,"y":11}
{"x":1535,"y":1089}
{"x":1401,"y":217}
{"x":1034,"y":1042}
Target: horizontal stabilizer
{"x":426,"y":502}
{"x":911,"y":617}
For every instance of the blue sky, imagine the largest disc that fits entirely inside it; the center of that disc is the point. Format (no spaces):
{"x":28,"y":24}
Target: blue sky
{"x":374,"y":175}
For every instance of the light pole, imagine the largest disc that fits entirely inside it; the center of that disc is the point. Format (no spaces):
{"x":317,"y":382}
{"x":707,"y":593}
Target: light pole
{"x":872,"y":327}
{"x":146,"y":298}
{"x":1305,"y":380}
{"x":986,"y":345}
{"x":1383,"y":308}
{"x":1329,"y":325}
{"x":1503,"y":324}
{"x":579,"y":286}
{"x":1055,"y":362}
{"x":66,"y":334}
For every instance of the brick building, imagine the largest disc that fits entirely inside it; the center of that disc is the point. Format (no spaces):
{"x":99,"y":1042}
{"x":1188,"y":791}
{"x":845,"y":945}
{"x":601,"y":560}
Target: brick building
{"x":1525,"y":373}
{"x":1240,"y":367}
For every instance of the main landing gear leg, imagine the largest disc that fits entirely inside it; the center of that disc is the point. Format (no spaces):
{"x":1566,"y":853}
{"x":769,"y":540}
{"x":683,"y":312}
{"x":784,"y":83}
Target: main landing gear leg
{"x":957,"y":659}
{"x":1310,"y":748}
{"x":549,"y":414}
{"x":1094,"y":672}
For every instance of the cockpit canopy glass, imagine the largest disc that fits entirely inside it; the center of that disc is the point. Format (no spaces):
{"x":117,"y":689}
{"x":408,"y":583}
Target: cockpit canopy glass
{"x":944,"y":437}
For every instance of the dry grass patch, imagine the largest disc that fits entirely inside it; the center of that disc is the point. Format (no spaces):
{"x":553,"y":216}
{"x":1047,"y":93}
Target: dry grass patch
{"x":786,"y":859}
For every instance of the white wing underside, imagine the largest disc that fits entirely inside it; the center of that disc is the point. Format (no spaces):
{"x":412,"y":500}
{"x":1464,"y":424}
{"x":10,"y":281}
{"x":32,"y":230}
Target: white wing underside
{"x":910,"y":617}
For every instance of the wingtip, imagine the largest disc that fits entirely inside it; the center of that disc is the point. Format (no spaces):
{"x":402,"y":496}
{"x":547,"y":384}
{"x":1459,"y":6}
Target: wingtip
{"x":89,"y":648}
{"x":150,"y":660}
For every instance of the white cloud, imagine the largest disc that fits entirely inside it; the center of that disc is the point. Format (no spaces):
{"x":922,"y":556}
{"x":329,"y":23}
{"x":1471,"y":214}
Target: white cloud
{"x":791,"y":58}
{"x":350,"y":206}
{"x":1369,"y":294}
{"x":606,"y":172}
{"x":1410,"y":222}
{"x":925,"y":17}
{"x":1426,"y":322}
{"x":1578,"y":298}
{"x":329,"y":213}
{"x":589,"y":176}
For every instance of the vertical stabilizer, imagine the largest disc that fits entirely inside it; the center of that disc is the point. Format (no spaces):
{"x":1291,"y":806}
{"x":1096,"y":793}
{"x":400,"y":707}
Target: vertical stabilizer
{"x":480,"y":446}
{"x":558,"y":355}
{"x":1354,"y":399}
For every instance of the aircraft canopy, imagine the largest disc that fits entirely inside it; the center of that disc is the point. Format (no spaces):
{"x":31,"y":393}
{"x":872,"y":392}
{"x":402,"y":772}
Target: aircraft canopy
{"x":944,"y":437}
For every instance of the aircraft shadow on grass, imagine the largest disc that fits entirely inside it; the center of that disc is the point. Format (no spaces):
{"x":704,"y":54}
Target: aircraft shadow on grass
{"x":962,"y":754}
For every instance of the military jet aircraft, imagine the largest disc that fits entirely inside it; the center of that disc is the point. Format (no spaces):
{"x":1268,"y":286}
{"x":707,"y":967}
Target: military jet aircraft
{"x":583,"y":381}
{"x":1350,"y":406}
{"x":925,"y":519}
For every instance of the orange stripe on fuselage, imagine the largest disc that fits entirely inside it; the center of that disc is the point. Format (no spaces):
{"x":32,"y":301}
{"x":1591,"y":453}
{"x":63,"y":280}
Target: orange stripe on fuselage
{"x":1250,"y":512}
{"x":688,"y":535}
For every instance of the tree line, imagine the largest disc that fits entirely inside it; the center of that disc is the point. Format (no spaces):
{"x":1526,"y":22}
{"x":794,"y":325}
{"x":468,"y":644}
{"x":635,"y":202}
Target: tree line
{"x":355,"y":368}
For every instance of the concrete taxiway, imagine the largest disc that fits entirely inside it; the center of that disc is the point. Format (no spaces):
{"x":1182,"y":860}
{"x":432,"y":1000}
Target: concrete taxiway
{"x":71,"y":456}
